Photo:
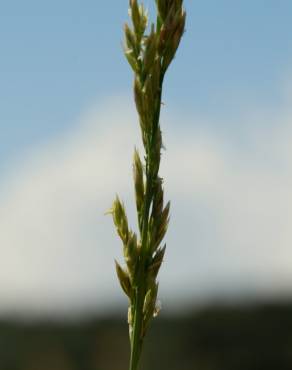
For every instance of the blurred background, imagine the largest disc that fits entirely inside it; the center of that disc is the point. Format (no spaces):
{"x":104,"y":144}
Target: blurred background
{"x":68,"y":130}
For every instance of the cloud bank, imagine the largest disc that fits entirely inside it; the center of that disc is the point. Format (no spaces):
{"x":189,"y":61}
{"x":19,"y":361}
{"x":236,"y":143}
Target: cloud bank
{"x":230,"y":231}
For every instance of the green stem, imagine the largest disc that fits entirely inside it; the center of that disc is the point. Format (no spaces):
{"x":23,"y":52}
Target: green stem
{"x":140,"y":289}
{"x":137,"y":340}
{"x":140,"y":283}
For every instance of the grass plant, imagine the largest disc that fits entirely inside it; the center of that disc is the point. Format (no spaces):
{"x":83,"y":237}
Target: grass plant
{"x":149,"y":50}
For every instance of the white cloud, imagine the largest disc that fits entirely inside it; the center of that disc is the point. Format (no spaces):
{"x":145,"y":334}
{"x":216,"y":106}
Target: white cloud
{"x":231,"y":213}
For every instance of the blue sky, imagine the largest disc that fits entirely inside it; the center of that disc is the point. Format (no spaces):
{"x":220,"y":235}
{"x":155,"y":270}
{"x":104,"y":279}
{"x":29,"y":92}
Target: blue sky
{"x":227,"y":97}
{"x":60,"y":57}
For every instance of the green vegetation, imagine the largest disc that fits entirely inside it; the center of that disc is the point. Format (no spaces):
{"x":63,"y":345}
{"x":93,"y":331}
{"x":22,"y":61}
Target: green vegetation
{"x":149,"y":55}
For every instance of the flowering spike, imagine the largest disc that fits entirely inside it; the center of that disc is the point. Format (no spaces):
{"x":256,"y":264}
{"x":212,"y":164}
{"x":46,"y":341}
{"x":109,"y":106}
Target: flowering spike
{"x":149,"y":55}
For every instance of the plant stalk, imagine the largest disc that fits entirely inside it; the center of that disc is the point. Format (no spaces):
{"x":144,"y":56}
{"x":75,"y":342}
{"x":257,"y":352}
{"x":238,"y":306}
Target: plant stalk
{"x":140,"y":291}
{"x":149,"y":55}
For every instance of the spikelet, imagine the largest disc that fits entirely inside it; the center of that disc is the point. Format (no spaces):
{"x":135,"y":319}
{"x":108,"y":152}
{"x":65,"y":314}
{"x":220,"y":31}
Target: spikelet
{"x":120,"y":219}
{"x":124,"y":280}
{"x":149,"y":304}
{"x":139,"y":186}
{"x":131,"y":255}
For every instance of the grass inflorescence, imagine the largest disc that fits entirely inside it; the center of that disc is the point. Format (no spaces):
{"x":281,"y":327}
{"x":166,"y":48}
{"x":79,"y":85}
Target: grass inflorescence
{"x":149,"y":50}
